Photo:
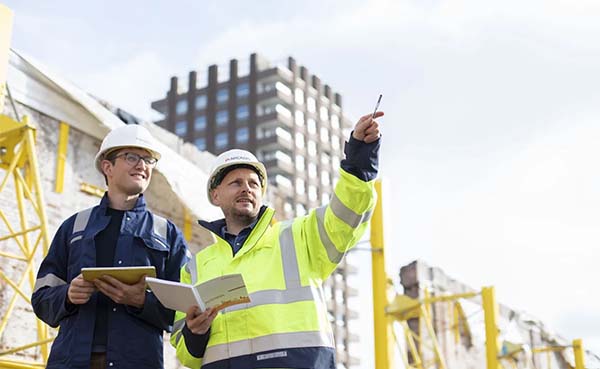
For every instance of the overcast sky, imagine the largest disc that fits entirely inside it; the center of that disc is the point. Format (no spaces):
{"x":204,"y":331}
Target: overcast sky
{"x":492,"y":130}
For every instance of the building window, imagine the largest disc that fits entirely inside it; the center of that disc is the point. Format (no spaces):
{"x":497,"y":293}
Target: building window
{"x":200,"y":123}
{"x":311,"y":104}
{"x":200,"y":143}
{"x":323,"y":113}
{"x":299,"y":118}
{"x":299,"y":96}
{"x":325,"y":181}
{"x":243,"y":90}
{"x":324,"y":135}
{"x":242,"y":112}
{"x":300,"y":210}
{"x":221,"y":140}
{"x":325,"y":197}
{"x":222,"y":117}
{"x":242,"y":135}
{"x":181,"y":128}
{"x":201,"y":102}
{"x":300,"y":188}
{"x":299,"y":140}
{"x":335,"y":121}
{"x":312,"y":126}
{"x":287,"y":207}
{"x":312,"y":148}
{"x":312,"y":193}
{"x":222,"y":95}
{"x":312,"y":170}
{"x":335,"y":162}
{"x":181,"y":107}
{"x":300,"y":163}
{"x":335,"y":143}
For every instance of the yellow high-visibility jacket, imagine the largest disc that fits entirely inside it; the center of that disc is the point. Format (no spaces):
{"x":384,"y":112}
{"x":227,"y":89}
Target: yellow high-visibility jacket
{"x":284,"y":265}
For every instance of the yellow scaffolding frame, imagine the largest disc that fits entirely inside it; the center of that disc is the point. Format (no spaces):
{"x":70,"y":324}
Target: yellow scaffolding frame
{"x":18,"y":160}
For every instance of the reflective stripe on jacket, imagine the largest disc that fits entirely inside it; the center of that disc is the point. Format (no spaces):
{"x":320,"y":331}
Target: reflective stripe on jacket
{"x":134,"y":335}
{"x":284,"y":265}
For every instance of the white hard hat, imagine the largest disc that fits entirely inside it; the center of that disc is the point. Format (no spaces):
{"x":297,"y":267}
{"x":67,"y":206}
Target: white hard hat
{"x":130,"y":135}
{"x":236,"y":157}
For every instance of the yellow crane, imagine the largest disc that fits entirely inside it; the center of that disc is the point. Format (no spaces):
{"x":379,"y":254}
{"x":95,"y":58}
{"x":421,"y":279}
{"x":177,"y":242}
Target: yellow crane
{"x":18,"y":161}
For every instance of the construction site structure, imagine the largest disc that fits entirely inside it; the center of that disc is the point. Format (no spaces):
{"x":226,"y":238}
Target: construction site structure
{"x":441,"y":323}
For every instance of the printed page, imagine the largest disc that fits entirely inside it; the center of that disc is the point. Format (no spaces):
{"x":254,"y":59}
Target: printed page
{"x":224,"y":291}
{"x":174,"y":295}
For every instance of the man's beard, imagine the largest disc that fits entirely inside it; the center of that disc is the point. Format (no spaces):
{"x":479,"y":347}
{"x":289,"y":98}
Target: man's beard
{"x":245,"y":217}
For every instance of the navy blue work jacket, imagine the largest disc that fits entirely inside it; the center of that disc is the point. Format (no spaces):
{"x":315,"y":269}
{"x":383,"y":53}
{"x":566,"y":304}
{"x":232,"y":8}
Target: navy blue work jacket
{"x":135,"y":336}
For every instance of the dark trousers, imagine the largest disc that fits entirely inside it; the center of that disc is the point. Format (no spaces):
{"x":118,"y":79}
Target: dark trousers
{"x":98,"y":360}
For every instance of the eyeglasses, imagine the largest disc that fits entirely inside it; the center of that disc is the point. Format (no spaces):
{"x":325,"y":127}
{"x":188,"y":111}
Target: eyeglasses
{"x":133,"y":159}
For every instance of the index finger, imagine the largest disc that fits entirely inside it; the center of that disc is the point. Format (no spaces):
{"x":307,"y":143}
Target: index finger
{"x":367,"y":118}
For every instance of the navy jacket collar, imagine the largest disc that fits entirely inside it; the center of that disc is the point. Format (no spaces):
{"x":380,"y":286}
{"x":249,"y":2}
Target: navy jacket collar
{"x":140,"y":204}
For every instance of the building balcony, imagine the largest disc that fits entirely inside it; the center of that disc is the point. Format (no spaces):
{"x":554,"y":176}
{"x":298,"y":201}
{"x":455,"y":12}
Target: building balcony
{"x":278,"y":166}
{"x":274,"y":96}
{"x":275,"y":118}
{"x":275,"y":141}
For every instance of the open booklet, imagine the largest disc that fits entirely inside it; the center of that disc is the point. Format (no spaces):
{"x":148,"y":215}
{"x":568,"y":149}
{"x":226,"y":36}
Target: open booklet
{"x":217,"y":293}
{"x":128,"y":275}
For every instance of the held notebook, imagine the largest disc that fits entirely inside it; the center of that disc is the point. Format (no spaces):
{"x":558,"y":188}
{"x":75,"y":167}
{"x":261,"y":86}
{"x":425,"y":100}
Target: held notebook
{"x":217,"y":293}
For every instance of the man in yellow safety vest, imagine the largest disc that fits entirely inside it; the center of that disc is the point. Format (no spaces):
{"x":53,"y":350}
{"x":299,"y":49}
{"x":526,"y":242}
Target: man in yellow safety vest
{"x":284,"y":265}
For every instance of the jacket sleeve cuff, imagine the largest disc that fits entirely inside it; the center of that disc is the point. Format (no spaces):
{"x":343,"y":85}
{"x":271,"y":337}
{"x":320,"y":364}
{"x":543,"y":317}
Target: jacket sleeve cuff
{"x":362,"y":159}
{"x":195,"y":343}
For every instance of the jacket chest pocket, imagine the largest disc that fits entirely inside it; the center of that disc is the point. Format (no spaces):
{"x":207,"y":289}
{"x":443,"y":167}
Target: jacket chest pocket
{"x":151,"y":251}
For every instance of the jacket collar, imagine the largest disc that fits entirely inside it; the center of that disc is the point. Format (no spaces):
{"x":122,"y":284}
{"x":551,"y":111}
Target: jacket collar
{"x":140,"y":204}
{"x":263,"y":220}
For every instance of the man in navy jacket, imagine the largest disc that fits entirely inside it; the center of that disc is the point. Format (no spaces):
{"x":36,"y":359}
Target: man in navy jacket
{"x":106,"y":323}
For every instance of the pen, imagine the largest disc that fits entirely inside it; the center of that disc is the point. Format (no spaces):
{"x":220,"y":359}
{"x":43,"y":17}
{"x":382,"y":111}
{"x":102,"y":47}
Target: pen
{"x":377,"y":105}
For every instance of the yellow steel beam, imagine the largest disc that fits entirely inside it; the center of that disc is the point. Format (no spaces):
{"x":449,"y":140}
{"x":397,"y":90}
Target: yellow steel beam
{"x":412,"y":346}
{"x":61,"y":156}
{"x":490,"y":310}
{"x":537,"y":350}
{"x":90,"y":189}
{"x":6,"y":20}
{"x":16,"y":364}
{"x":25,"y":347}
{"x":384,"y":345}
{"x":11,"y":230}
{"x":19,"y":160}
{"x":578,"y":353}
{"x":15,"y":287}
{"x":456,"y":322}
{"x":187,"y":224}
{"x":436,"y":346}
